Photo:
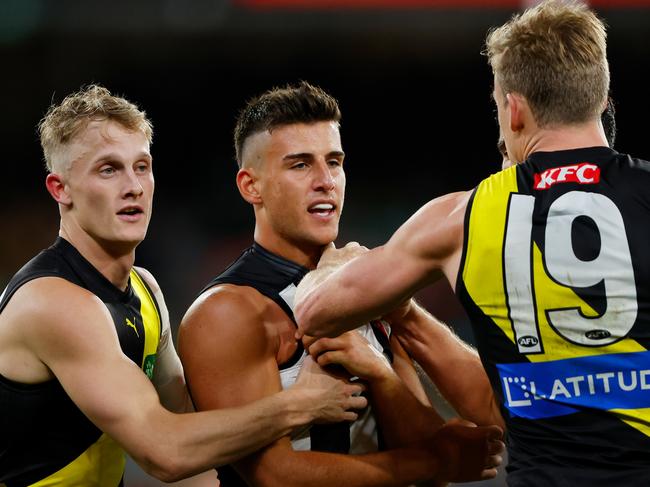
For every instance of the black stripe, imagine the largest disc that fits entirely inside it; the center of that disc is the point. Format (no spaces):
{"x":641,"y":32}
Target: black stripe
{"x":468,"y":212}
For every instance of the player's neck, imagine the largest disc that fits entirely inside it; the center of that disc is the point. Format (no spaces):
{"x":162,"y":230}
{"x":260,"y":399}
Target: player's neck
{"x":305,"y":255}
{"x":565,"y":137}
{"x":114,"y":262}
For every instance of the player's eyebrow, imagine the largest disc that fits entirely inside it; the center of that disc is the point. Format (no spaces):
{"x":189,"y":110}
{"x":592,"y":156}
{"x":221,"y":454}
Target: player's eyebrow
{"x":299,"y":155}
{"x":309,"y":155}
{"x":336,"y":153}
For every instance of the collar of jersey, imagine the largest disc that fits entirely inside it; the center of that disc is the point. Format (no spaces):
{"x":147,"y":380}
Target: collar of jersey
{"x":89,"y":274}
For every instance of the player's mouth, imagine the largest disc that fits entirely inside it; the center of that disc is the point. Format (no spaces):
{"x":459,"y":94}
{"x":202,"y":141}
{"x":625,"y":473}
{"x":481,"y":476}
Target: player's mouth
{"x":322,"y":209}
{"x":131,"y":213}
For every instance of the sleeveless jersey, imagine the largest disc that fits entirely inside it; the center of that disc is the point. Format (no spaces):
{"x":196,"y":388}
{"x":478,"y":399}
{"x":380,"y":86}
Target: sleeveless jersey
{"x":45,"y":440}
{"x":555,"y":278}
{"x":277,"y":278}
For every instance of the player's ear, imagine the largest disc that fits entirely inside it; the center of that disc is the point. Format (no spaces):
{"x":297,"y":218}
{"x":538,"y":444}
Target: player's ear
{"x":248,"y":185}
{"x":516,"y":107}
{"x":58,"y":189}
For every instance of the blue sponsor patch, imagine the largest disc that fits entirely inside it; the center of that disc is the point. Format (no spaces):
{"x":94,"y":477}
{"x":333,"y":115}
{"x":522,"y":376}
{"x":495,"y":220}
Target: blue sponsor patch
{"x":547,"y":389}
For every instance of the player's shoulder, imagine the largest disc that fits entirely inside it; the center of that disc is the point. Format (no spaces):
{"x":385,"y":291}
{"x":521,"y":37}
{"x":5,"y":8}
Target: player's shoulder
{"x":229,"y":318}
{"x":640,"y":167}
{"x":443,"y":215}
{"x":52,"y":307}
{"x":227,"y":307}
{"x":447,"y":203}
{"x":54,"y":295}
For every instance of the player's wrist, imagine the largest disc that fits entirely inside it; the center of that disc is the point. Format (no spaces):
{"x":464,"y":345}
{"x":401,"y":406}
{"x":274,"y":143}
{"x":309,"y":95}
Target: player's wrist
{"x":383,"y":379}
{"x":416,"y":463}
{"x":404,"y":315}
{"x":297,"y":407}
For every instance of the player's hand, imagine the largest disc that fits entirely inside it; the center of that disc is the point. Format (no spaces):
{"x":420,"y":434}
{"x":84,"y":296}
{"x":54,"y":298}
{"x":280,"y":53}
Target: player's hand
{"x":331,"y":259}
{"x":351,"y":351}
{"x":334,"y":258}
{"x":328,"y":399}
{"x":466,"y":452}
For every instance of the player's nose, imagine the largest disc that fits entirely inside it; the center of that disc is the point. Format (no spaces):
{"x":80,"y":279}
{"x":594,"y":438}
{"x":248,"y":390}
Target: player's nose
{"x":323,"y":178}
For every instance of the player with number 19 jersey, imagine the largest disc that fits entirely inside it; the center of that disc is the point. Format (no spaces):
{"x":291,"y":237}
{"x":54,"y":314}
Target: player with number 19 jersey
{"x":555,"y":277}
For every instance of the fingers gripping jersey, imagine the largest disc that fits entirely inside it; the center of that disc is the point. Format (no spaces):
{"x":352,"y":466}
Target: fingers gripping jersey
{"x":563,"y":320}
{"x":277,"y":278}
{"x":44,"y":438}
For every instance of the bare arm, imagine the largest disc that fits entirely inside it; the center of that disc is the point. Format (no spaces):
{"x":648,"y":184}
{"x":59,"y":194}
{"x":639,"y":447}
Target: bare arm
{"x":168,"y":377}
{"x":78,"y":343}
{"x":426,"y":246}
{"x":441,"y":353}
{"x":399,"y":403}
{"x":230,"y":359}
{"x":403,"y":403}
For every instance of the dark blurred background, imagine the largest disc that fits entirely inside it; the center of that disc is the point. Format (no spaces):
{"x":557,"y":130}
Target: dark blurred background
{"x":414,"y":89}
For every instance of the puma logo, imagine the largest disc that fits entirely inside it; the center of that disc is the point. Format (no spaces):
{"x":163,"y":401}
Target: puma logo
{"x":132,"y":325}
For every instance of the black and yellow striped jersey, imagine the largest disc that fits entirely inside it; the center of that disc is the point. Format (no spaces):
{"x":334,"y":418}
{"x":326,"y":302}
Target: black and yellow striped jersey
{"x":555,"y":278}
{"x":44,"y":438}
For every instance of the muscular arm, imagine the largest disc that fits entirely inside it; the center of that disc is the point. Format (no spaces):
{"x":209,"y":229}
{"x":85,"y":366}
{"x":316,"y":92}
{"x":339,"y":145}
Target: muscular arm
{"x":452,"y":365}
{"x":399,"y":402}
{"x":78,"y":343}
{"x":426,"y":246}
{"x":230,"y":359}
{"x":168,"y":377}
{"x":401,"y":405}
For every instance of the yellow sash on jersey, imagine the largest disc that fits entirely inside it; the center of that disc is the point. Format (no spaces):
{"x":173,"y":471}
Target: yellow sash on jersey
{"x":150,"y":321}
{"x":101,"y":465}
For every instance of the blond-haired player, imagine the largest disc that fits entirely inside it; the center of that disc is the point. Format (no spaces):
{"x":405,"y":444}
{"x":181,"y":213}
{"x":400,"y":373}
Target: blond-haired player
{"x":549,"y":258}
{"x":86,"y":356}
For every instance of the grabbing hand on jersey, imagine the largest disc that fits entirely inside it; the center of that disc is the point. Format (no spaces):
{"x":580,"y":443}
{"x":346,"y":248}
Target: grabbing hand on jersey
{"x":333,"y":257}
{"x":467,"y":452}
{"x":353,"y":352}
{"x":331,"y":398}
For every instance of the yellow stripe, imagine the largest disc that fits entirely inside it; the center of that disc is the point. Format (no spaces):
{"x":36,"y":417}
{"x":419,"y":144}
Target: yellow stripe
{"x":483,"y":271}
{"x":150,"y":318}
{"x":101,"y":465}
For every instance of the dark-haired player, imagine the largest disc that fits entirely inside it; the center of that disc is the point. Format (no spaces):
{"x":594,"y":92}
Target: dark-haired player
{"x":237,"y":340}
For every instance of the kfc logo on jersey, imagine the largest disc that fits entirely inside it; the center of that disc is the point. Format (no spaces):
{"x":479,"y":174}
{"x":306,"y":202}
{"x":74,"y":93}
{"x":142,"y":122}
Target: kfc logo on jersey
{"x":584,"y":173}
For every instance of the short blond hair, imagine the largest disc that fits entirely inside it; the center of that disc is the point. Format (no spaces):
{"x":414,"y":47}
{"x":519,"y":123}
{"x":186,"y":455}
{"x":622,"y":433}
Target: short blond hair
{"x":554,"y":55}
{"x":91,"y":103}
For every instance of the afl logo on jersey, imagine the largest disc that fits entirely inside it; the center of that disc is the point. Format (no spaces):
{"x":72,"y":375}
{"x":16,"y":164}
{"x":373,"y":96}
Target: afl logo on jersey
{"x":598,"y":334}
{"x":527,"y":341}
{"x":584,"y":173}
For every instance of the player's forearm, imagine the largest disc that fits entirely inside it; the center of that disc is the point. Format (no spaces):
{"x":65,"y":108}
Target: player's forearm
{"x":192,"y":443}
{"x":316,"y":469}
{"x":452,"y":365}
{"x":310,"y":310}
{"x":402,"y":418}
{"x":337,"y":300}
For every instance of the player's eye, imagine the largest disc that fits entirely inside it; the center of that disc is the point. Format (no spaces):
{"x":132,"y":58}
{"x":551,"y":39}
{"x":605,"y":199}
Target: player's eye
{"x":142,"y":167}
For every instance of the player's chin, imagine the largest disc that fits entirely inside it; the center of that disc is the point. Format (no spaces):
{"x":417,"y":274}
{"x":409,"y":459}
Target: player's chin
{"x":131,"y":238}
{"x":325,"y":235}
